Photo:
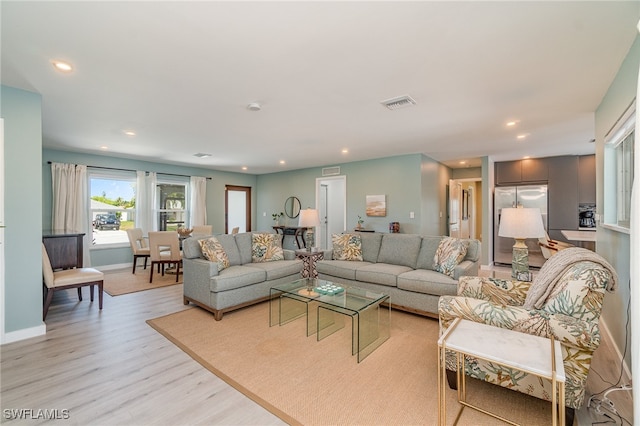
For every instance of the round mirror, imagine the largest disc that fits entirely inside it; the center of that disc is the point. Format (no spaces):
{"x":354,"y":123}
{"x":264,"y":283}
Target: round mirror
{"x":292,"y":207}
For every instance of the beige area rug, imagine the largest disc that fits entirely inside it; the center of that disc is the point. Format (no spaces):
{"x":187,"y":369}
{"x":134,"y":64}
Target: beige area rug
{"x":307,"y":382}
{"x":123,"y":281}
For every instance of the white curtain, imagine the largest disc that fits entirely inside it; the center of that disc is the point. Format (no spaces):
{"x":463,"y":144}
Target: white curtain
{"x":70,"y":207}
{"x":146,"y":217}
{"x":198,"y":196}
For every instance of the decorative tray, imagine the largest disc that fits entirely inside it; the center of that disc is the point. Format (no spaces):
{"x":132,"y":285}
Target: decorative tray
{"x":329,"y":289}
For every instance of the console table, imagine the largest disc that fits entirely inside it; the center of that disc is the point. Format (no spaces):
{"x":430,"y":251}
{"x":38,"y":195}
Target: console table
{"x":295,"y":231}
{"x":64,"y":248}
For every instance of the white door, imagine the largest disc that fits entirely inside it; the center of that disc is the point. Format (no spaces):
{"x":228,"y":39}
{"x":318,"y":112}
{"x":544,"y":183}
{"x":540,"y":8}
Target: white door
{"x":334,"y":190}
{"x":2,"y":269}
{"x":455,"y":200}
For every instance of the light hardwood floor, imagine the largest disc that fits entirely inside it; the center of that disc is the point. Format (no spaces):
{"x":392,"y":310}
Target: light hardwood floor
{"x":111,"y":368}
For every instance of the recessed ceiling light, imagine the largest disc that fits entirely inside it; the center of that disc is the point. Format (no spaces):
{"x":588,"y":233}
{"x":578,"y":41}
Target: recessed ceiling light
{"x":244,"y":167}
{"x":282,"y":161}
{"x":201,"y":155}
{"x":62,"y":66}
{"x":522,"y":136}
{"x":129,"y":132}
{"x":345,"y":151}
{"x":463,"y":162}
{"x":104,"y":148}
{"x":526,"y":157}
{"x":512,"y":123}
{"x":254,"y":106}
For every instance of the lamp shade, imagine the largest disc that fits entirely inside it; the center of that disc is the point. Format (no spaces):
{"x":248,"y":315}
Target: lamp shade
{"x":309,"y":218}
{"x":521,"y":223}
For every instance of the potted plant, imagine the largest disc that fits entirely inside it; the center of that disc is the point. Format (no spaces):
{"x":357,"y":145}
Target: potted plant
{"x":276,"y":217}
{"x":360,"y":222}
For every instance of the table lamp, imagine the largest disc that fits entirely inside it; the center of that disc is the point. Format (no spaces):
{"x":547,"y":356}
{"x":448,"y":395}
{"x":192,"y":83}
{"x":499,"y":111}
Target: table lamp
{"x":309,"y":219}
{"x":520,"y":223}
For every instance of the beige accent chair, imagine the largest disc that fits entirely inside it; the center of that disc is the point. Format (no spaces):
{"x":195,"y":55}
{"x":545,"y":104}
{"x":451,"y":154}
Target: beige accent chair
{"x":203,"y":229}
{"x":139,"y":246}
{"x":66,"y":279}
{"x":550,"y":247}
{"x":164,"y":249}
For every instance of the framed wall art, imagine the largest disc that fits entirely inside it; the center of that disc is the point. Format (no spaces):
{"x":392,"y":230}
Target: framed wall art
{"x":376,"y":205}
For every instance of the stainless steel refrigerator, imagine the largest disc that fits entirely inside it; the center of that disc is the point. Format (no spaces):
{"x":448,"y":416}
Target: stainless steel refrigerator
{"x":530,"y":196}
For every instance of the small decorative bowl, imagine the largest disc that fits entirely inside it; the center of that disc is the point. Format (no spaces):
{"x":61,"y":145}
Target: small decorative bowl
{"x":184,"y":232}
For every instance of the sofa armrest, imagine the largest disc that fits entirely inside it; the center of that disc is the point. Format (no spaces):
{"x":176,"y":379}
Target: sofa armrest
{"x":466,"y":267}
{"x":498,"y":291}
{"x":570,"y":331}
{"x":200,"y":268}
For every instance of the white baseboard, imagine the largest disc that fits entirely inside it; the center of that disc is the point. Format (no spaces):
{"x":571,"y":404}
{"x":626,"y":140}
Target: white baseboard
{"x":606,"y":334}
{"x":114,"y":267}
{"x":25,"y":333}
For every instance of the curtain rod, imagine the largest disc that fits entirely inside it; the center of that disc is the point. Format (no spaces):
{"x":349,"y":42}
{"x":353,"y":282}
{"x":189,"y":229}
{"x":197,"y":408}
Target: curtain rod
{"x":130,"y":170}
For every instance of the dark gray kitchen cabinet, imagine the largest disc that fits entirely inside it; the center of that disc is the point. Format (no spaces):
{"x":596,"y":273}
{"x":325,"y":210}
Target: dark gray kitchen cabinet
{"x":563,"y":192}
{"x":587,"y":179}
{"x":535,"y":170}
{"x":508,"y":172}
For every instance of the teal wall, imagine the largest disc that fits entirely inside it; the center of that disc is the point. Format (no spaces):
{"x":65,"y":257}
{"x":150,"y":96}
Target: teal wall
{"x":215,"y":192}
{"x":614,"y":245}
{"x":22,"y":113}
{"x":411,"y":183}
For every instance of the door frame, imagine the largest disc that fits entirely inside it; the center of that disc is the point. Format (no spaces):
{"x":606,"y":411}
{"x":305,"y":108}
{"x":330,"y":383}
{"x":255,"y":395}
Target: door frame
{"x":334,"y":221}
{"x":247,"y":191}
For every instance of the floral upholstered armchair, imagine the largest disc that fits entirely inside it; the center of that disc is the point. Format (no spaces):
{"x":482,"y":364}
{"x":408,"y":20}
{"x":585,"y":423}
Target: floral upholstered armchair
{"x":564,"y":300}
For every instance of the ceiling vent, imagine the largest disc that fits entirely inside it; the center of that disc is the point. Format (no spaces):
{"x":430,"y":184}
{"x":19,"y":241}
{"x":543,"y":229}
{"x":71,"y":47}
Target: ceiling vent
{"x":331,"y":171}
{"x":201,"y":155}
{"x":399,"y":102}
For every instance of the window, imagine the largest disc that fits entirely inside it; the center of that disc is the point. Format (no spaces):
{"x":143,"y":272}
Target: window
{"x":618,"y":170}
{"x":172,"y":204}
{"x":112,"y":206}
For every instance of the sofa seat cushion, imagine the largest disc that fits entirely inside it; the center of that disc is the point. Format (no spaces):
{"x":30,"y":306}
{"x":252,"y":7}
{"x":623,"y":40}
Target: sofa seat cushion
{"x":340,"y":268}
{"x":428,"y":282}
{"x":279,"y":269}
{"x":235,"y":277}
{"x":381,"y":273}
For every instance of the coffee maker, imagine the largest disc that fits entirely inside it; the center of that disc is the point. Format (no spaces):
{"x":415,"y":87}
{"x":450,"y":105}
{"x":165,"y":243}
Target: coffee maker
{"x":587,"y":217}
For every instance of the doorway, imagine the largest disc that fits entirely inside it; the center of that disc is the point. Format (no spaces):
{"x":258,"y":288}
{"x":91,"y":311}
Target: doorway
{"x":237,"y":208}
{"x":331,"y":202}
{"x":465,"y":208}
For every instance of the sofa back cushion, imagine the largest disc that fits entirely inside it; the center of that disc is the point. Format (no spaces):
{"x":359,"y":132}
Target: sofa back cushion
{"x":191,"y":248}
{"x":228,"y":243}
{"x":428,"y":252}
{"x":370,"y":245}
{"x":400,"y":249}
{"x":244,"y":243}
{"x":473,"y":250}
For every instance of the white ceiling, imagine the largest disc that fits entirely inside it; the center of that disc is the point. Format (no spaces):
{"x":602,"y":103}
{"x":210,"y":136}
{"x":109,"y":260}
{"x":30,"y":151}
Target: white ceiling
{"x":181,"y":74}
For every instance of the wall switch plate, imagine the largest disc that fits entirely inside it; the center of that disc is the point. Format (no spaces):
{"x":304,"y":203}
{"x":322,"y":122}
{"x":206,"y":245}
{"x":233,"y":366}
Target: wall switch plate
{"x":264,"y":214}
{"x":412,"y":215}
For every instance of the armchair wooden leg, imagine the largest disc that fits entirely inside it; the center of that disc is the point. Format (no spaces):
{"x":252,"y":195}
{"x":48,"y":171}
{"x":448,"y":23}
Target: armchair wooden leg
{"x":452,"y":379}
{"x":135,"y":260}
{"x":100,"y":292}
{"x":80,"y":294}
{"x":177,"y":271}
{"x":47,"y":303}
{"x":91,"y":292}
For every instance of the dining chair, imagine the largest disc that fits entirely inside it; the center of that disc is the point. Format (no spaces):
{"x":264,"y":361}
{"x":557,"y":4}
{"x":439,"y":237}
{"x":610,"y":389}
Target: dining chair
{"x":164,"y":249}
{"x":203,"y":229}
{"x":139,"y":246}
{"x":66,"y":279}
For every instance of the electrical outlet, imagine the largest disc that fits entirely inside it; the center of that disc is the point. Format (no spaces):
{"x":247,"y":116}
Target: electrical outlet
{"x":412,"y":215}
{"x":264,"y":214}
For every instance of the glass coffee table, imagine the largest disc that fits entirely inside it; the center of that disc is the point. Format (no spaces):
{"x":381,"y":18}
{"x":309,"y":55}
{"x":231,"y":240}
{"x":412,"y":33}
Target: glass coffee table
{"x":326,"y":306}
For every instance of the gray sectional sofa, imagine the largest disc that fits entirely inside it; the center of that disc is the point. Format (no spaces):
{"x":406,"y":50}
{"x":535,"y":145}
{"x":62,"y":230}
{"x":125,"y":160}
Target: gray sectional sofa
{"x":242,"y":284}
{"x":402,"y":266}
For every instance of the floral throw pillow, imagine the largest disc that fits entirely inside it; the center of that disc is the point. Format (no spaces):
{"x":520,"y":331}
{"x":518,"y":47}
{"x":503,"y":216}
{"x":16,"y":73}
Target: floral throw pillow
{"x":266,"y":248}
{"x":213,"y":252}
{"x":449,"y":254}
{"x":347,"y":247}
